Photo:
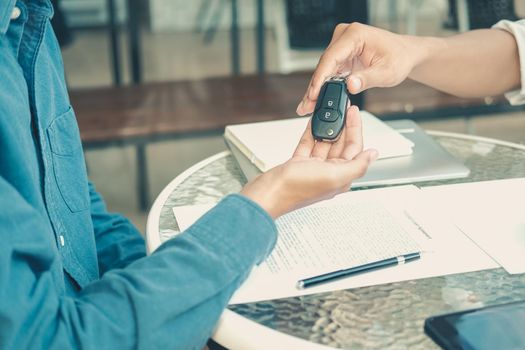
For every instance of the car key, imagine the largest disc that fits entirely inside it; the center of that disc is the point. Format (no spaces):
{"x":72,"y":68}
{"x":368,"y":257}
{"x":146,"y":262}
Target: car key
{"x":330,"y":111}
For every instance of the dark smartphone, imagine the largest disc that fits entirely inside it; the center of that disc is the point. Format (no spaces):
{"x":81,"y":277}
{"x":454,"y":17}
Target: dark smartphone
{"x":329,"y":115}
{"x":498,"y":327}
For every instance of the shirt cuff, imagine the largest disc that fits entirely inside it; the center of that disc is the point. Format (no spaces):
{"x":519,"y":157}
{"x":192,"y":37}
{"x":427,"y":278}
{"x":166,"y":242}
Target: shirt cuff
{"x":517,"y":29}
{"x":237,"y":228}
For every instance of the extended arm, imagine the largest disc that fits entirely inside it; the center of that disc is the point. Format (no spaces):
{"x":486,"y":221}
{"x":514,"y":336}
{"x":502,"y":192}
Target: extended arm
{"x":474,"y":64}
{"x":171,"y":299}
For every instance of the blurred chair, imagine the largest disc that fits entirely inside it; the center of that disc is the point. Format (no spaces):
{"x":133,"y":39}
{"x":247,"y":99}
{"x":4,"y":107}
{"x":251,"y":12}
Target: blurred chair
{"x":411,"y":18}
{"x":304,"y":28}
{"x":451,"y":22}
{"x":464,"y":15}
{"x":485,"y":13}
{"x":209,"y":15}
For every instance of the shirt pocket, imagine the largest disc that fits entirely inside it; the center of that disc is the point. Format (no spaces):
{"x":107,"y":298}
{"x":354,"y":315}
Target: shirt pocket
{"x":69,"y":166}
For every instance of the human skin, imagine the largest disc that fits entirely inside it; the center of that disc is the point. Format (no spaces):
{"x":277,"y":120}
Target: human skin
{"x":317,"y":170}
{"x":472,"y":64}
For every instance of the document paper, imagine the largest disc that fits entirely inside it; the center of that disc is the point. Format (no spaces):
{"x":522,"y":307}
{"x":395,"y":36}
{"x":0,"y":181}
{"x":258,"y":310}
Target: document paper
{"x":350,"y":230}
{"x":323,"y":239}
{"x":491,"y":214}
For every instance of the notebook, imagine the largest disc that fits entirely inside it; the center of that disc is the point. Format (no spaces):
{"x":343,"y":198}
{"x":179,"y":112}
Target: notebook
{"x":428,"y":161}
{"x":267,"y":144}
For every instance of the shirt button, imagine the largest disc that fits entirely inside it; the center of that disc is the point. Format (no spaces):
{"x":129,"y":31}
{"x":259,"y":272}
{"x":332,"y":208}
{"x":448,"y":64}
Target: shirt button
{"x":16,"y":13}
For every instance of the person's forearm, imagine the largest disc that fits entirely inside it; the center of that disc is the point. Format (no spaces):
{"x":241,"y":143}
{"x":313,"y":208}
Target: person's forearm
{"x":474,"y":64}
{"x":171,"y":299}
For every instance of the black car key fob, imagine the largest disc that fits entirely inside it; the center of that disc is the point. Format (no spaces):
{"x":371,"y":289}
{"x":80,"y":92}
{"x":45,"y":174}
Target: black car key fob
{"x":329,"y":115}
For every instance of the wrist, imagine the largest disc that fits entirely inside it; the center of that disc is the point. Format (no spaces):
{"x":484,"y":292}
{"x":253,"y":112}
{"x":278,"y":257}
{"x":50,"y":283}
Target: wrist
{"x":423,"y":49}
{"x":265,"y":191}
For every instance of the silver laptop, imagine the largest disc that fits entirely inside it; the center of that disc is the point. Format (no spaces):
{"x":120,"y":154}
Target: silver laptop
{"x":428,"y":162}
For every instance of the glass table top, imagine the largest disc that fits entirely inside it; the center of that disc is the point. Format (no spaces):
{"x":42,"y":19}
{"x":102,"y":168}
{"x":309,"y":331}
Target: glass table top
{"x":383,"y":316}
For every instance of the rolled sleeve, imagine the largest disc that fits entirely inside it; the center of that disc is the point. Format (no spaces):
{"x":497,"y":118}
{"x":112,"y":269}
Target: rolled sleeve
{"x":517,"y":29}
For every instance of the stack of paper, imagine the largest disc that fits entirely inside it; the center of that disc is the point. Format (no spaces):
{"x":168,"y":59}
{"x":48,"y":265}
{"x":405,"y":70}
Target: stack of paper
{"x":268,"y":144}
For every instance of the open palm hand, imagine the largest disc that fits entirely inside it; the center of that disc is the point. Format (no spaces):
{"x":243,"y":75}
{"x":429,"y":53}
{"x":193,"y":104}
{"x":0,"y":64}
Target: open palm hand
{"x":317,"y":170}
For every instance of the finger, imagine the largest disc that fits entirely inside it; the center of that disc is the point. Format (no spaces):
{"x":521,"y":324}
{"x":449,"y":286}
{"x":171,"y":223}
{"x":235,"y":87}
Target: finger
{"x":338,"y":31}
{"x":373,"y":76}
{"x":337,"y":54}
{"x":348,"y":171}
{"x":339,"y":146}
{"x":353,"y":134}
{"x":306,"y":143}
{"x":321,"y":149}
{"x":306,"y":106}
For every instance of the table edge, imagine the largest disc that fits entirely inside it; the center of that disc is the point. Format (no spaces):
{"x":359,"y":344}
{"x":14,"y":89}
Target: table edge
{"x":152,"y":223}
{"x":476,"y":138}
{"x":246,"y":331}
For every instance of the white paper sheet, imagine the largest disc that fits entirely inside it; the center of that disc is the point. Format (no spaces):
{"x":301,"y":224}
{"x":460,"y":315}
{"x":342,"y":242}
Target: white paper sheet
{"x":320,"y":239}
{"x":491,"y":213}
{"x":381,"y":223}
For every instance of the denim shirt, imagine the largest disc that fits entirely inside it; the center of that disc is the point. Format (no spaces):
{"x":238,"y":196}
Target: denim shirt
{"x":73,"y":275}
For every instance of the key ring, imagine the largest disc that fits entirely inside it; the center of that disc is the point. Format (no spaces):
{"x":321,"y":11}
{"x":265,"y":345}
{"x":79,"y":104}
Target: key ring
{"x":340,"y":77}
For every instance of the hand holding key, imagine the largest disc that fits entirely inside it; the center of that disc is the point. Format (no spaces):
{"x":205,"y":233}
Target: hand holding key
{"x":371,"y":56}
{"x":317,"y":170}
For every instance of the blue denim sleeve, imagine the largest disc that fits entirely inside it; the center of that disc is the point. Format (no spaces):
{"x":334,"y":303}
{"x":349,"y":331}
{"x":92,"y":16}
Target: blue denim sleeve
{"x":118,"y":242}
{"x":171,"y":299}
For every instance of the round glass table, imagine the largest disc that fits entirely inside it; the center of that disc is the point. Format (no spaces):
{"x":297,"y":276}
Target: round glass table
{"x":376,"y":317}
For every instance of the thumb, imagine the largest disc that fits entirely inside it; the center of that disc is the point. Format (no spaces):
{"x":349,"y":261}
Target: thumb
{"x":370,"y":77}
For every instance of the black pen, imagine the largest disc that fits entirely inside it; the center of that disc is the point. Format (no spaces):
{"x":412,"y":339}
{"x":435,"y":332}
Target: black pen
{"x":331,"y":276}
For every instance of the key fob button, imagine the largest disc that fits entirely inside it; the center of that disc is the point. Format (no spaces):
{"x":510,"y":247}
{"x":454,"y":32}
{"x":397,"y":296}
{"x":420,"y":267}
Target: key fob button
{"x":328,"y":115}
{"x":330,"y":102}
{"x":330,"y":132}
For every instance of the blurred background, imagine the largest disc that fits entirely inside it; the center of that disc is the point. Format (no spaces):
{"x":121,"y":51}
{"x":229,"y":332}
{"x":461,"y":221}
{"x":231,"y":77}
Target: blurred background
{"x":153,"y":81}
